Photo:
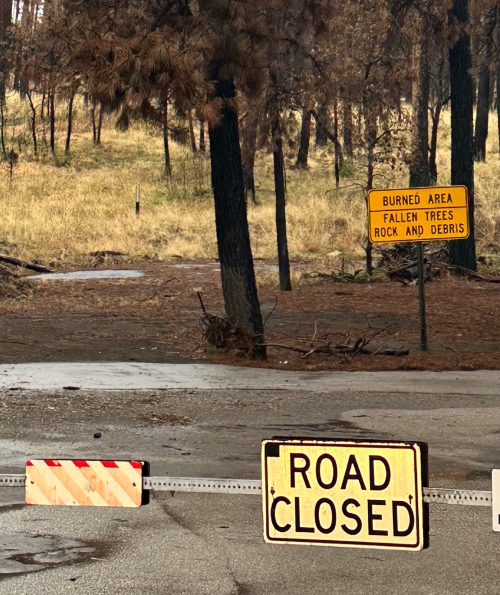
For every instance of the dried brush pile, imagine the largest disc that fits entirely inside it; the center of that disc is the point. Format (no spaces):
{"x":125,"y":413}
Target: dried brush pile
{"x":401,"y":261}
{"x":222,"y":334}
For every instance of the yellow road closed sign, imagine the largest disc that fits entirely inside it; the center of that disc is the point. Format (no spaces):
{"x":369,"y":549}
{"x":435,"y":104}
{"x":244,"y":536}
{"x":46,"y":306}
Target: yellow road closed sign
{"x":418,"y":214}
{"x":345,"y":493}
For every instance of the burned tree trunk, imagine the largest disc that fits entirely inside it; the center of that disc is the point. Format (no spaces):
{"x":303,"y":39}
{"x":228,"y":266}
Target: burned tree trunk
{"x":192,"y":136}
{"x":348,"y":126}
{"x":305,"y":139}
{"x":338,"y":148}
{"x":435,"y":118}
{"x":483,"y":90}
{"x":99,"y":122}
{"x":52,"y":122}
{"x":249,"y":148}
{"x":370,"y":117}
{"x":419,"y":165}
{"x":233,"y":238}
{"x":33,"y":126}
{"x":166,"y":145}
{"x":70,"y":122}
{"x":202,"y":137}
{"x":497,"y":76}
{"x":280,"y":191}
{"x":94,"y":121}
{"x":462,"y":252}
{"x":321,"y":124}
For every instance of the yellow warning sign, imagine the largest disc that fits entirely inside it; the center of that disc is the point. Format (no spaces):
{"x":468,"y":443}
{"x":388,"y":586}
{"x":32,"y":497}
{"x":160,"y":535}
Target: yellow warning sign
{"x":418,"y":214}
{"x":344,"y":493}
{"x":57,"y":482}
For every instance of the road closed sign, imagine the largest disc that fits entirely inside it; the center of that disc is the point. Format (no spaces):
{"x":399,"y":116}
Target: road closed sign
{"x":418,"y":214}
{"x":344,"y":493}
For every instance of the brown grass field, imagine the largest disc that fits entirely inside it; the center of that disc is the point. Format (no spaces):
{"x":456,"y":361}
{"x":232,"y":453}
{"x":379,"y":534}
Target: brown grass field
{"x":59,"y":209}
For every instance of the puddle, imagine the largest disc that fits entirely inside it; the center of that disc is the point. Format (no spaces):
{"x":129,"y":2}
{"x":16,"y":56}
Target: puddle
{"x":88,"y":275}
{"x":29,"y":552}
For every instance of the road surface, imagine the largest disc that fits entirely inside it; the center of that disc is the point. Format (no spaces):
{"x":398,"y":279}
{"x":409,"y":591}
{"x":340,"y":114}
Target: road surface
{"x":209,"y":421}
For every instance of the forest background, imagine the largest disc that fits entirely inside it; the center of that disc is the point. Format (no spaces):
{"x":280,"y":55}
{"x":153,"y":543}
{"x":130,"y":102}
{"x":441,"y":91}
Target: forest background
{"x":186,"y":102}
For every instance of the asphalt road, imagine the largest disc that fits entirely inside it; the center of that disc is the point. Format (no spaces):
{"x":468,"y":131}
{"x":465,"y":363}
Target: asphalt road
{"x":207,"y":543}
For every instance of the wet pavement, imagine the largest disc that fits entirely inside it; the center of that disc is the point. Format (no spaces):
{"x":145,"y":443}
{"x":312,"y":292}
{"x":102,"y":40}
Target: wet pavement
{"x":150,"y":376}
{"x":212,"y":544}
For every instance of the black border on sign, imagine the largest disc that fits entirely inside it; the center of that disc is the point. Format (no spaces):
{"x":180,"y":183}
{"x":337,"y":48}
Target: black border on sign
{"x":413,"y":240}
{"x":394,"y":444}
{"x":146,"y":472}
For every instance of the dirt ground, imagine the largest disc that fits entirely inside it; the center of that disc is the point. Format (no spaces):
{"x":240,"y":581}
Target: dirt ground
{"x":156,"y":318}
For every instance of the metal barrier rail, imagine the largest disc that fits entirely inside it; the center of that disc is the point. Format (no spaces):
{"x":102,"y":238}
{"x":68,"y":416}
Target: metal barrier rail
{"x":254,"y":486}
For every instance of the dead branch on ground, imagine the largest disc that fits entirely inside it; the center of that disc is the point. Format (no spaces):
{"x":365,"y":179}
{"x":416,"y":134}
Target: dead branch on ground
{"x":349,"y":348}
{"x":31,"y":266}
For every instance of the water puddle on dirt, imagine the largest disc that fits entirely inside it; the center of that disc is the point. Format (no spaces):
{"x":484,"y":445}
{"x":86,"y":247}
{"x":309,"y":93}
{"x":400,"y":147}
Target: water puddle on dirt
{"x":29,"y":552}
{"x":88,"y":275}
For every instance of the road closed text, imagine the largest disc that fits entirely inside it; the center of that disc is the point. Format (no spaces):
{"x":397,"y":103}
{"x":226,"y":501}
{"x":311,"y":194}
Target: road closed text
{"x":343,"y":494}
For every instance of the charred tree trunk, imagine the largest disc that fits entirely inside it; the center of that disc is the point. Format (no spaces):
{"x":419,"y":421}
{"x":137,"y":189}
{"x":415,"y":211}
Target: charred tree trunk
{"x":191,"y":133}
{"x":70,"y":122}
{"x":338,"y":148}
{"x":5,"y":22}
{"x":99,"y":123}
{"x":497,"y":73}
{"x":249,"y":148}
{"x":462,"y":252}
{"x":93,"y":106}
{"x":52,"y":122}
{"x":348,"y":126}
{"x":203,"y":146}
{"x":44,"y":110}
{"x":435,"y":118}
{"x":370,"y":117}
{"x":334,"y":137}
{"x":33,"y":124}
{"x":305,"y":139}
{"x":2,"y":124}
{"x":238,"y":277}
{"x":166,"y":144}
{"x":280,"y":192}
{"x":483,"y":90}
{"x":419,"y":166}
{"x":321,"y":124}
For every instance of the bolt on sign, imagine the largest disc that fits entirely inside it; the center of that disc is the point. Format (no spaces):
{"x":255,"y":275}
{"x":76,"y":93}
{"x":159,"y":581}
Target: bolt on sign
{"x":339,"y":493}
{"x":418,"y":214}
{"x":52,"y":482}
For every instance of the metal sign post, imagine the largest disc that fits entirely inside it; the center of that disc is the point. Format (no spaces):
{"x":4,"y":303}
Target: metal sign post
{"x":419,"y":215}
{"x":421,"y":296}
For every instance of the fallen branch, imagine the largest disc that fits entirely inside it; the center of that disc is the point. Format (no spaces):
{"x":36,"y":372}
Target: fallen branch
{"x":39,"y":268}
{"x":472,"y":275}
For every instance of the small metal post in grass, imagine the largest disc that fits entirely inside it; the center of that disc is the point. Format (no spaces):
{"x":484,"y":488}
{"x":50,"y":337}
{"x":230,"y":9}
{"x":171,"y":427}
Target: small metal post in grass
{"x":137,"y":200}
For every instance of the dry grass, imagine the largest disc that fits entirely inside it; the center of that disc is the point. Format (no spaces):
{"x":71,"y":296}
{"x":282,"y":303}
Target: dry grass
{"x":60,"y":210}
